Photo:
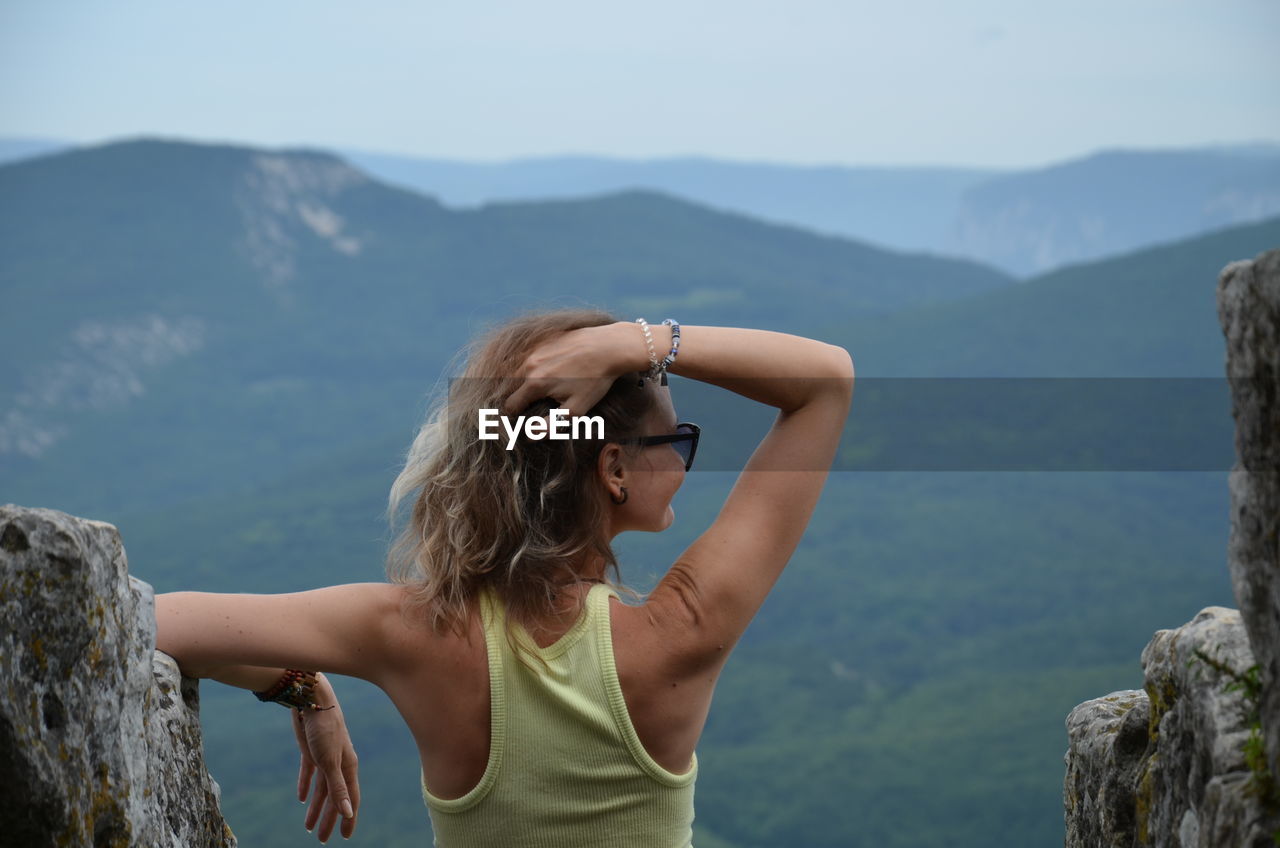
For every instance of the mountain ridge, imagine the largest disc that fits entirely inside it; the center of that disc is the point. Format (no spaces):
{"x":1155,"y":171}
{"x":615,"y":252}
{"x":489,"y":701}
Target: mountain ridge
{"x":1019,"y":219}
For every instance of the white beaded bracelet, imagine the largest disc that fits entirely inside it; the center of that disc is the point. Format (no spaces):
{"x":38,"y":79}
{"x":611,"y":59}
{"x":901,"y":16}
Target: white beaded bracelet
{"x":653,"y":357}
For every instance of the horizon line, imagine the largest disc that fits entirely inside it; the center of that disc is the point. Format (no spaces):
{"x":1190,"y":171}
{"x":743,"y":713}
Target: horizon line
{"x":1258,"y":145}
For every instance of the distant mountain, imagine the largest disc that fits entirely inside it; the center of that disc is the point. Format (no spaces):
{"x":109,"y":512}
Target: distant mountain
{"x":1024,"y":221}
{"x":13,"y":149}
{"x":1112,"y":203}
{"x":253,"y":309}
{"x":1025,"y":378}
{"x":902,"y":208}
{"x":1150,"y":313}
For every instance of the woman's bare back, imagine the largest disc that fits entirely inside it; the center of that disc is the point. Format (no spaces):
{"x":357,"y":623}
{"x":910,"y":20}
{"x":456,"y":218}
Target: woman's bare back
{"x":443,"y":696}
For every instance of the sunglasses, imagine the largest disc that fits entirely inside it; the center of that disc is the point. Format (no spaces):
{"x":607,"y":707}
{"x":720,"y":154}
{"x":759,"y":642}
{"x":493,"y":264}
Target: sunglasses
{"x":685,"y":441}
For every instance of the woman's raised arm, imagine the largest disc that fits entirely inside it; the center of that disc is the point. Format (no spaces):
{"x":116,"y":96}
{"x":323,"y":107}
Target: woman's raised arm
{"x":704,"y":603}
{"x":711,"y":593}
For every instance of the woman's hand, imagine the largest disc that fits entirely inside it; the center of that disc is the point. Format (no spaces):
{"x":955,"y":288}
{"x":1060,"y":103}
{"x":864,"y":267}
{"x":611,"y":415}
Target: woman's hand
{"x":328,"y":754}
{"x":576,"y":368}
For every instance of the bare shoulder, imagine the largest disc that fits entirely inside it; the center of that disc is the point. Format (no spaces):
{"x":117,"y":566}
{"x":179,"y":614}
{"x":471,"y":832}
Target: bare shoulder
{"x":381,"y":627}
{"x":666,"y":681}
{"x":400,"y":626}
{"x":380,"y":604}
{"x":662,"y":637}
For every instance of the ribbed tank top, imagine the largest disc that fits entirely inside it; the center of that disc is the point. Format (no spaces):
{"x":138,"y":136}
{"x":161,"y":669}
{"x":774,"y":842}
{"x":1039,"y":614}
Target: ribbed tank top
{"x":566,"y":768}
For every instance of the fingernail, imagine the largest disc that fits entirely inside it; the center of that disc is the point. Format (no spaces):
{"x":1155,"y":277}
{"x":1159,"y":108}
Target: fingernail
{"x":346,"y":809}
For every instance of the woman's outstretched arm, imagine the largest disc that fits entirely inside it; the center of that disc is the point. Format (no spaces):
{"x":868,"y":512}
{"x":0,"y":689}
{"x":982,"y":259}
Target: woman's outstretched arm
{"x":247,"y":641}
{"x":337,"y":629}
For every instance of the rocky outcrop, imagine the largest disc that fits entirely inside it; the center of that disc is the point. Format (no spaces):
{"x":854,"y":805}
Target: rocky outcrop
{"x":1193,"y":758}
{"x":99,"y":734}
{"x":1166,"y":765}
{"x":1249,"y":310}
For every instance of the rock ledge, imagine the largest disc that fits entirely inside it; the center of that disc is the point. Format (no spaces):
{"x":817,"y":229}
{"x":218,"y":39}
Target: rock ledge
{"x":99,"y":733}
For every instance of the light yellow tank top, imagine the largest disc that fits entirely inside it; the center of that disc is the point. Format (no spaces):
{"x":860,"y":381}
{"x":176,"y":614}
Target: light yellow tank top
{"x":566,"y":768}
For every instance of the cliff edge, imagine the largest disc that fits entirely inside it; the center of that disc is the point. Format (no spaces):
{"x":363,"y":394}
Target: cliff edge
{"x":99,"y":734}
{"x":1193,"y":758}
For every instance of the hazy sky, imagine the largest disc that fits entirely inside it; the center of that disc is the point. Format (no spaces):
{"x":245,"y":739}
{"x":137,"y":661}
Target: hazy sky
{"x":1006,"y":83}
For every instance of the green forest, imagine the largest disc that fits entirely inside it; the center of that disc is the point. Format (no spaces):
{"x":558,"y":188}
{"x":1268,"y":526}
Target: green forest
{"x":970,"y":575}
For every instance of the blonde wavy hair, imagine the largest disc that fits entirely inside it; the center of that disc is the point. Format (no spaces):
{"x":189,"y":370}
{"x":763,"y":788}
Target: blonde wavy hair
{"x":511,"y":520}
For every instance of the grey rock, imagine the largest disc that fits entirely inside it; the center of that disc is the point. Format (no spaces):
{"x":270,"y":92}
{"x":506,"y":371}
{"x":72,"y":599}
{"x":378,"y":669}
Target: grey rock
{"x":99,"y":734}
{"x":1108,"y":740}
{"x":1166,"y":765}
{"x":1249,"y":311}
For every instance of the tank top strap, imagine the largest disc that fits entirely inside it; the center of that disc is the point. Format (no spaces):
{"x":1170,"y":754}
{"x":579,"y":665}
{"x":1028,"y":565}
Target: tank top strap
{"x":491,"y":618}
{"x":603,"y":632}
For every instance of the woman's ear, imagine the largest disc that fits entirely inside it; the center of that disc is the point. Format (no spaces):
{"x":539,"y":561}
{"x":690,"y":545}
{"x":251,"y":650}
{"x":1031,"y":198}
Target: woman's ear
{"x":609,"y":465}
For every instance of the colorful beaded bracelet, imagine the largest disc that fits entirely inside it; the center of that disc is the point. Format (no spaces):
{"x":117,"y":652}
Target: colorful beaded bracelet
{"x":670,"y":358}
{"x":294,"y":689}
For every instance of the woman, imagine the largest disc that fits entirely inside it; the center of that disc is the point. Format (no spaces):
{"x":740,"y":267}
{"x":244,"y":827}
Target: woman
{"x":546,"y":712}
